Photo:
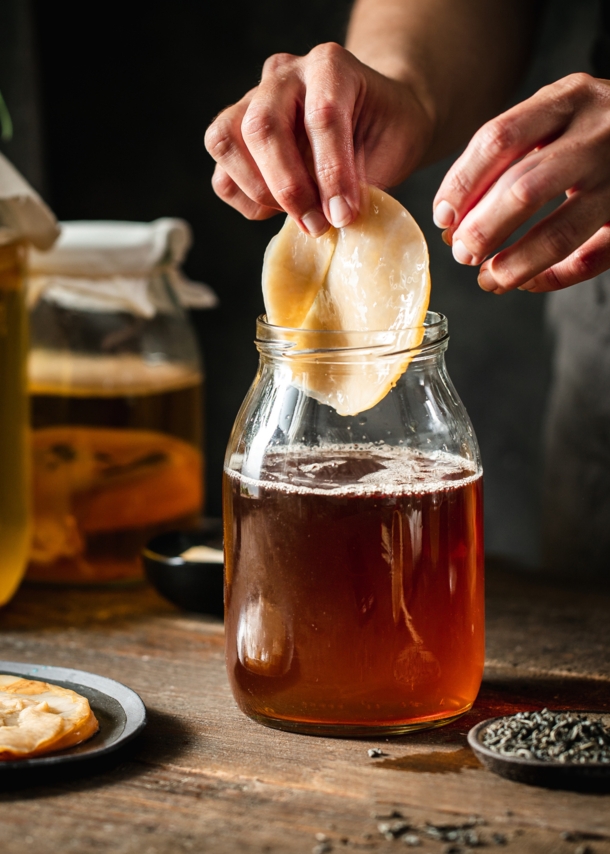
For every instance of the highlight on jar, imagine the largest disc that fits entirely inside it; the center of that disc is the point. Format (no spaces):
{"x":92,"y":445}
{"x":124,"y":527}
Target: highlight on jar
{"x":116,"y":384}
{"x":353,"y":510}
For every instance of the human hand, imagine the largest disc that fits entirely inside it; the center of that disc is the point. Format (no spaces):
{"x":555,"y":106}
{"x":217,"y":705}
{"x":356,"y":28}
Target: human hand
{"x":314,"y":132}
{"x":557,"y":141}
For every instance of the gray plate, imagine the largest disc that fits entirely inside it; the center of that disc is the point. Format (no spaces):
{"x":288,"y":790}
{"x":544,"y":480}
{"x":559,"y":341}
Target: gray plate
{"x":535,"y":772}
{"x":119,"y":710}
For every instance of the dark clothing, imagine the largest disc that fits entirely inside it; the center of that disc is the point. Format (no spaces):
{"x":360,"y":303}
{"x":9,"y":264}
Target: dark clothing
{"x":576,"y":495}
{"x":576,"y":489}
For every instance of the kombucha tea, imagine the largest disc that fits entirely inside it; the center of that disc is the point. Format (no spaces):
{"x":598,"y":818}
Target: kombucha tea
{"x":116,"y":459}
{"x":354,"y":589}
{"x":14,"y":436}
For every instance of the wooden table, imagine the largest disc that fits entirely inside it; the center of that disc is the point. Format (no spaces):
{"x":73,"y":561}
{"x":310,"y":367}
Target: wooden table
{"x":203,"y":778}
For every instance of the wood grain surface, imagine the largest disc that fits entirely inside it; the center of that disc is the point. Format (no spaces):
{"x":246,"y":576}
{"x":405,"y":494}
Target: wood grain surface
{"x":204,"y":778}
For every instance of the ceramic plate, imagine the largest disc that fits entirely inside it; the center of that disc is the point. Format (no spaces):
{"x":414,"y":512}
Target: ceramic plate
{"x":120,"y":712}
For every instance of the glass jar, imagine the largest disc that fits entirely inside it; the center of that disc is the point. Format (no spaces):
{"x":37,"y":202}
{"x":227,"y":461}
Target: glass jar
{"x":116,"y":389}
{"x":353,"y":544}
{"x":14,"y":422}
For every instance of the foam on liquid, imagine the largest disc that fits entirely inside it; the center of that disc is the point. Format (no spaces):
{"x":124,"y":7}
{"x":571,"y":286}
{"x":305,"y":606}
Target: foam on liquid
{"x":362,"y":469}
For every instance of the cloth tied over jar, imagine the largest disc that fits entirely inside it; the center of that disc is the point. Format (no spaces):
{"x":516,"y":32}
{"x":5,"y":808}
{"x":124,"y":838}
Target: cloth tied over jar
{"x":106,"y":266}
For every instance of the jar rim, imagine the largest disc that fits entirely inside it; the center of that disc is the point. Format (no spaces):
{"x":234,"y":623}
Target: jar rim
{"x":420,"y":341}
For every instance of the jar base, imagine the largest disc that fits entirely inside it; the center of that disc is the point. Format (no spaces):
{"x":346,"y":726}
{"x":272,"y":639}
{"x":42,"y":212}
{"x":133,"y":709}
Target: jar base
{"x":346,"y":730}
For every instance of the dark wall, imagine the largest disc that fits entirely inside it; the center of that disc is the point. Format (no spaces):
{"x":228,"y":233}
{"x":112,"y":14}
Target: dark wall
{"x":127,"y":91}
{"x":19,"y":88}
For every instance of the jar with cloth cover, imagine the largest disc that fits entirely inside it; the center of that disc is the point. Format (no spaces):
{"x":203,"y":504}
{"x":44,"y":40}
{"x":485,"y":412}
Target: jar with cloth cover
{"x":116,"y":383}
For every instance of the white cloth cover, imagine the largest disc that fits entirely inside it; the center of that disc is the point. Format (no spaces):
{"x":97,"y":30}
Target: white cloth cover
{"x":106,"y":266}
{"x":23,"y":214}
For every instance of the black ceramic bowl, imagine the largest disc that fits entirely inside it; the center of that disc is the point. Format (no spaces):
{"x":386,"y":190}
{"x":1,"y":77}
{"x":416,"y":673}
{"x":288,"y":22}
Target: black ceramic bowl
{"x":195,"y":585}
{"x":590,"y":776}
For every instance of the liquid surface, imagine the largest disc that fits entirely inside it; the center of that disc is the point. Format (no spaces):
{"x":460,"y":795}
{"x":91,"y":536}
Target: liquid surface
{"x":114,"y":464}
{"x":354,"y":591}
{"x":58,"y":372}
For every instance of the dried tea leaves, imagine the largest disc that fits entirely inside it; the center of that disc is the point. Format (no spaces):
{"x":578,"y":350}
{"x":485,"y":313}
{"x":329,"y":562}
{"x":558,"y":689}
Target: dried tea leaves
{"x":370,"y":276}
{"x":549,"y":737}
{"x":37,"y":718}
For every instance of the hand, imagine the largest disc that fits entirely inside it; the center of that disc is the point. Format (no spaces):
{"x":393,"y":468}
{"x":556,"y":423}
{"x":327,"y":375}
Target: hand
{"x":314,"y":132}
{"x":558,"y":141}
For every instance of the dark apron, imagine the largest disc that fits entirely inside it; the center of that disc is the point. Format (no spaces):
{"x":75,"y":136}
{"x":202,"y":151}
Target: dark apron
{"x":576,"y":491}
{"x":576,"y":494}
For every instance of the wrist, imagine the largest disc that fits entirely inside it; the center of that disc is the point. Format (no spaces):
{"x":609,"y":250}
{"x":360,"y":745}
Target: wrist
{"x":413,"y":116}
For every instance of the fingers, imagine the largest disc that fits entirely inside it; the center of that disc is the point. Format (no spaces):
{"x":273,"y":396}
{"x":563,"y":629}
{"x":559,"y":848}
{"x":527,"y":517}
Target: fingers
{"x":224,"y":141}
{"x":589,"y":260}
{"x":226,"y":188}
{"x":546,"y":244}
{"x":498,"y":143}
{"x":555,"y":143}
{"x":269,"y":130}
{"x":259,"y":165}
{"x":332,"y":90}
{"x":520,"y":192}
{"x":288,"y":144}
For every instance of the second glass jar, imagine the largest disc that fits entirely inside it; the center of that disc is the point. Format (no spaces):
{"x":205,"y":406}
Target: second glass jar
{"x":116,"y":395}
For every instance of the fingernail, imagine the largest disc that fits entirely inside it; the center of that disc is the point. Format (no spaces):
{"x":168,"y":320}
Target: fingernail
{"x":460,"y":253}
{"x":340,"y":211}
{"x":315,"y":223}
{"x":486,"y":281}
{"x":447,"y":236}
{"x":443,"y":214}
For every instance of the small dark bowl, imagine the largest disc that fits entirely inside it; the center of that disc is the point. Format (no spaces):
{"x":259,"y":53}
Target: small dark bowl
{"x":192,"y":585}
{"x":588,"y":776}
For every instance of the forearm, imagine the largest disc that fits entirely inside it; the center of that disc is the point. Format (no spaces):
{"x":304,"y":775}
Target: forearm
{"x":462,"y":58}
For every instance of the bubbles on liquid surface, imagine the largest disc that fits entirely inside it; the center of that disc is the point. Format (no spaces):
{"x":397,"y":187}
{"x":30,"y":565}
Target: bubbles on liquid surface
{"x":361,"y":469}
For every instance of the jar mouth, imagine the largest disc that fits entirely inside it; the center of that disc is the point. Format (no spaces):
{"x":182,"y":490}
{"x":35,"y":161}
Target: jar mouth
{"x":418,"y":341}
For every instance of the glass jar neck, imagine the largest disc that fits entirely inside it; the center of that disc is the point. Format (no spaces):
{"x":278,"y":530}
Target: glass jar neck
{"x":279,"y":345}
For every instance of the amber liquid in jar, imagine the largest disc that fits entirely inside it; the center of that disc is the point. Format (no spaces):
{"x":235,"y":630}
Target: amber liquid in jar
{"x":116,"y":459}
{"x":14,"y":427}
{"x":356,"y":607}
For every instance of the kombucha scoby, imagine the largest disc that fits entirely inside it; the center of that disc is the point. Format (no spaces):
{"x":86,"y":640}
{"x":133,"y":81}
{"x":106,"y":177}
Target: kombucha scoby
{"x":354,"y":588}
{"x":116,"y":459}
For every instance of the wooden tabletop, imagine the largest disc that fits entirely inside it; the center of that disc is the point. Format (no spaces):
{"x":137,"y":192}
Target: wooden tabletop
{"x":203,"y":778}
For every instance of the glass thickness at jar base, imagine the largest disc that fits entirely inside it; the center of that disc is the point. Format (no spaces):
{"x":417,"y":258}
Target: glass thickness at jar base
{"x":340,"y":730}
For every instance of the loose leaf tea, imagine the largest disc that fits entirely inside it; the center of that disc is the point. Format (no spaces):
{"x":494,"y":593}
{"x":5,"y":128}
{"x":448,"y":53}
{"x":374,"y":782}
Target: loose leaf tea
{"x":549,"y":737}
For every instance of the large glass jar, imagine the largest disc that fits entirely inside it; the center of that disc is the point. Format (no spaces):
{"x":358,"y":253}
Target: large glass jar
{"x":116,"y":391}
{"x":354,"y":544}
{"x":14,"y":422}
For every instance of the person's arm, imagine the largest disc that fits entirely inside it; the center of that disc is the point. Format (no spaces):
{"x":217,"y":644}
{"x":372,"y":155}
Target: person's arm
{"x":418,"y":77}
{"x":463,"y":58}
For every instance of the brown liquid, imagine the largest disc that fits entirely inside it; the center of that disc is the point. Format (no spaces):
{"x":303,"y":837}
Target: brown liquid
{"x":111,"y":469}
{"x":355,"y":608}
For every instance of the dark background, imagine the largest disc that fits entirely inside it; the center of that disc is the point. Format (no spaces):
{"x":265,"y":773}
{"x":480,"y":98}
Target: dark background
{"x":110,"y":102}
